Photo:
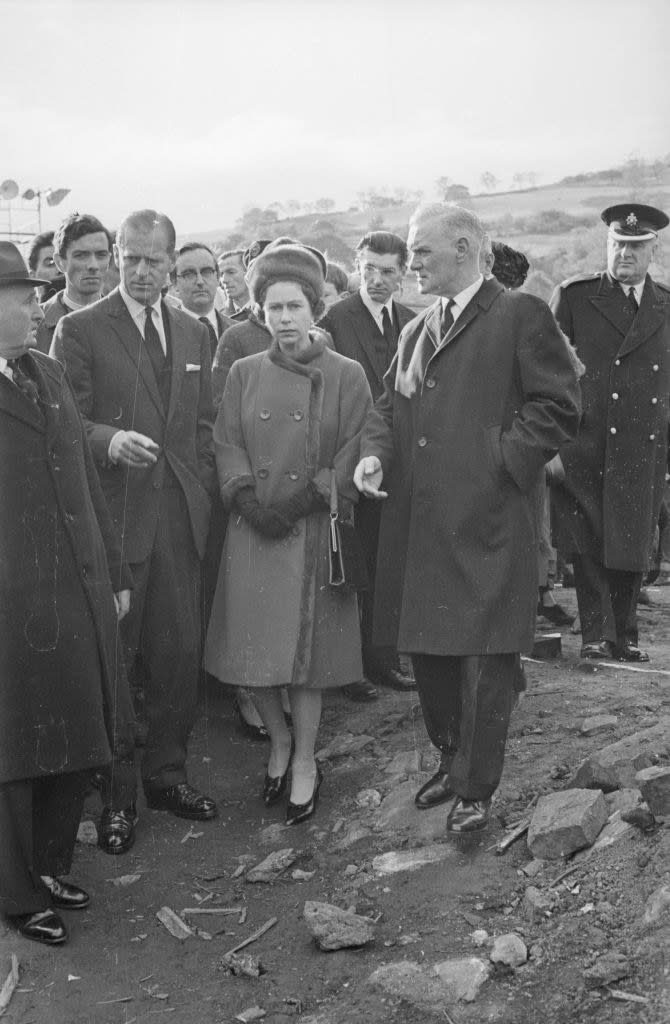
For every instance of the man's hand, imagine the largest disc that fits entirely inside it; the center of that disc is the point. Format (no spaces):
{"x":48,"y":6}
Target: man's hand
{"x":122,"y":602}
{"x":132,"y":449}
{"x":368,"y":477}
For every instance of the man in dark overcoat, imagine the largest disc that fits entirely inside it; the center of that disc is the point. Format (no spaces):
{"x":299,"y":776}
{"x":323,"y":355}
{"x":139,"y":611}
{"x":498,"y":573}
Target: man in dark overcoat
{"x":481,"y":394}
{"x":141,"y":371}
{"x":64,"y":701}
{"x":607,"y":506}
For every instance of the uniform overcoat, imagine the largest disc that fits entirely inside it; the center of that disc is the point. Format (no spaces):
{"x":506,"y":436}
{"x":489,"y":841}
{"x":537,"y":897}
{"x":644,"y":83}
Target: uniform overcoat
{"x":281,"y":423}
{"x":59,"y":554}
{"x":463,"y":430}
{"x":609,"y":503}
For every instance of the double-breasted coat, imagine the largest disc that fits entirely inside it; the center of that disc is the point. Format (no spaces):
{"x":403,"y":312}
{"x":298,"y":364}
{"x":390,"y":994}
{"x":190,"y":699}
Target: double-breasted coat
{"x":61,"y":691}
{"x":609,"y":502}
{"x":283,"y":422}
{"x":463,"y":430}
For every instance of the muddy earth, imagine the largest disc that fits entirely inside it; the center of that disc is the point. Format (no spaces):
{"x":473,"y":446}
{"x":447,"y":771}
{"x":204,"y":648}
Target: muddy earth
{"x":591,"y":955}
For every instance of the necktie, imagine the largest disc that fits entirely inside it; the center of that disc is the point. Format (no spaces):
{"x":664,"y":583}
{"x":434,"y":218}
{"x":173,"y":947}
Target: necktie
{"x":447,"y":321}
{"x":213,"y":340}
{"x":633,"y":299}
{"x":24,"y":382}
{"x":390,"y":336}
{"x":154,"y":349}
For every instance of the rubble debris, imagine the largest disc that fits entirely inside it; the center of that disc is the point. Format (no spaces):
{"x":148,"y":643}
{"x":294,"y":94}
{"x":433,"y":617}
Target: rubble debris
{"x":399,"y":812}
{"x":565,"y":822}
{"x":657,"y":906}
{"x":124,"y":880}
{"x":9,"y":985}
{"x":598,"y":723}
{"x":626,"y":997}
{"x":612,"y":966}
{"x":614,"y":830}
{"x":406,"y":979}
{"x":509,"y":950}
{"x":615,"y":766}
{"x":272,"y":866}
{"x":343,"y":745}
{"x":87,"y":833}
{"x":270,"y":923}
{"x":462,"y":977}
{"x":404,"y":764}
{"x":623,"y":800}
{"x":409,"y":860}
{"x":654,"y":785}
{"x":479,"y":937}
{"x":302,"y":876}
{"x":519,"y":830}
{"x":640,"y":817}
{"x":173,"y":923}
{"x":211,"y":910}
{"x":242,"y":965}
{"x":536,"y":904}
{"x":369,"y":799}
{"x":334,"y":928}
{"x":253,"y":1013}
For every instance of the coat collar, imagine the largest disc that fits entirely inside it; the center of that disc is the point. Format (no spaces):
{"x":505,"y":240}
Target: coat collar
{"x":54,"y":309}
{"x":610,"y":303}
{"x":482,"y":299}
{"x":302,"y":365}
{"x":49,"y":375}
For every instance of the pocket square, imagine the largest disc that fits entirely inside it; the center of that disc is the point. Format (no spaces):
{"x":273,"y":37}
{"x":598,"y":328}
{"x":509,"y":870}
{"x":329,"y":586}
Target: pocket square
{"x":192,"y":367}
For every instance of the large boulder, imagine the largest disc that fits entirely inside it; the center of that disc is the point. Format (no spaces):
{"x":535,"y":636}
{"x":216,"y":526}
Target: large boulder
{"x":334,"y":928}
{"x":565,"y":822}
{"x":615,"y":766}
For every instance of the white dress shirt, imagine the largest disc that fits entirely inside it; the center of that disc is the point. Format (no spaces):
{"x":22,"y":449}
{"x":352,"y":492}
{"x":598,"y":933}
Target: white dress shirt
{"x":4,"y":369}
{"x":136,"y":310}
{"x":376,"y":308}
{"x":460,"y":301}
{"x":639,"y":288}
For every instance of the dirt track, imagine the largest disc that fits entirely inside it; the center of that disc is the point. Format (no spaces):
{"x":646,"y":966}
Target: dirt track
{"x":121,"y":965}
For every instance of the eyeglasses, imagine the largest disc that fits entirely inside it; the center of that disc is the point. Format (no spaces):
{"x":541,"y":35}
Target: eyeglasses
{"x":206,"y":273}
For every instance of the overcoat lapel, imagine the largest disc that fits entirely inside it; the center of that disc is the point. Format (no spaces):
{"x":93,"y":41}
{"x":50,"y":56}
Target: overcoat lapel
{"x":14,"y":403}
{"x":610,"y":303}
{"x":362,"y":322}
{"x":178,"y":356}
{"x":123,"y":326}
{"x":50,"y":387}
{"x":650,"y":317}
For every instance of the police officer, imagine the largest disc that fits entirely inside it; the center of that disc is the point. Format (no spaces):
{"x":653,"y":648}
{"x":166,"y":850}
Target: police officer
{"x":607,"y":507}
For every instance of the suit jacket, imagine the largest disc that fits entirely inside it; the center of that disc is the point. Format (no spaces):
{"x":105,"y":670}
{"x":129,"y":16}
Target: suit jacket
{"x":609,"y":502}
{"x":64,"y":699}
{"x":54,"y":309}
{"x":463,"y":430}
{"x":352,"y":329}
{"x":116,"y":389}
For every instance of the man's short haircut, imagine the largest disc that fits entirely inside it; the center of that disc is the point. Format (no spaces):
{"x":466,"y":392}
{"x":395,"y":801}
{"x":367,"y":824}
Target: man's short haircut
{"x":337,"y":276}
{"x":149,"y":221}
{"x":192,"y":247}
{"x":385,"y":243}
{"x":76,"y":226}
{"x":455,"y":221}
{"x":38,"y":243}
{"x":239,"y":253}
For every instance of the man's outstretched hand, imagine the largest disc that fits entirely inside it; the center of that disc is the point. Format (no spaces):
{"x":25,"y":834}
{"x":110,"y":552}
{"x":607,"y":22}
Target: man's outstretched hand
{"x":368,"y":477}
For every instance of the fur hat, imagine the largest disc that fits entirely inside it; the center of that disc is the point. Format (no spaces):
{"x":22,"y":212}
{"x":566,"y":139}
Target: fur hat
{"x":510,"y":266}
{"x":284,"y":263}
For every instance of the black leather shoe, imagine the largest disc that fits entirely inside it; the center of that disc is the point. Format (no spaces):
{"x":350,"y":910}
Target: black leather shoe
{"x":597,"y":650}
{"x":64,"y":895}
{"x":182,"y":800}
{"x":44,"y":926}
{"x":362,"y":692}
{"x":273,"y":788}
{"x":116,"y":831}
{"x":630,"y":652}
{"x":295,"y":813}
{"x":555,"y":614}
{"x":250,"y":729}
{"x":434,"y":792}
{"x":392,"y":679}
{"x":468,"y":816}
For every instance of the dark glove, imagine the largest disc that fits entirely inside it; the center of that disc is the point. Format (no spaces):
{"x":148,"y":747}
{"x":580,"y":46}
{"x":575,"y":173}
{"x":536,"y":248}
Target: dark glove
{"x":300,"y":504}
{"x":265,"y":521}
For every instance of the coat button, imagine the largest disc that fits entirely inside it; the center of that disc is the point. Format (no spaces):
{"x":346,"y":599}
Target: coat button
{"x":612,"y":430}
{"x":156,"y":485}
{"x":654,"y":401}
{"x":265,"y":414}
{"x":422,"y":442}
{"x":298,"y":414}
{"x":615,"y":395}
{"x":293,"y":475}
{"x":262,"y":474}
{"x":617,"y":362}
{"x":431,"y":382}
{"x":652,"y":437}
{"x":655,"y":367}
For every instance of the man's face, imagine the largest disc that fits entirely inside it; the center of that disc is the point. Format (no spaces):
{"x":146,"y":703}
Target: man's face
{"x":20,"y":316}
{"x":85,"y":263}
{"x":330,"y":294}
{"x":433,"y":257}
{"x":46,"y":267}
{"x":197,"y":280}
{"x":144,"y":262}
{"x":231,"y":271}
{"x":380,"y":275}
{"x":628,"y":261}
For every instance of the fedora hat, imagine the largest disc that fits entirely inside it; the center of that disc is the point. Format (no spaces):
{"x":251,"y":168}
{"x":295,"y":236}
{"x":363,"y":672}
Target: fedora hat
{"x":13,"y":269}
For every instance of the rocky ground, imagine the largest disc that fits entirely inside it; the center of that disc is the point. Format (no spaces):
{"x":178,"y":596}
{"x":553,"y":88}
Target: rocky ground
{"x":451,"y":930}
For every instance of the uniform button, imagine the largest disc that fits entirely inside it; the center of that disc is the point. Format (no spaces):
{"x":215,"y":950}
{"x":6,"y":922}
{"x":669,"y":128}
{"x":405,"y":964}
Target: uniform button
{"x":617,"y":362}
{"x":156,"y":485}
{"x":615,"y":395}
{"x":422,"y":442}
{"x":612,"y":430}
{"x":654,"y":401}
{"x":431,"y":382}
{"x":298,"y":414}
{"x":265,"y":414}
{"x":652,"y":437}
{"x":293,"y":475}
{"x":655,"y":367}
{"x":262,"y":473}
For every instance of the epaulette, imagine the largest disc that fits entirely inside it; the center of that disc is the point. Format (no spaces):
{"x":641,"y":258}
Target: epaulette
{"x":581,"y":279}
{"x":662,"y":286}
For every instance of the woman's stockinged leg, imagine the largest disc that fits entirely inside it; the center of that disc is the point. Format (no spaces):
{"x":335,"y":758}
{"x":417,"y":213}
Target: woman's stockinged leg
{"x":306,"y":712}
{"x":269,"y":704}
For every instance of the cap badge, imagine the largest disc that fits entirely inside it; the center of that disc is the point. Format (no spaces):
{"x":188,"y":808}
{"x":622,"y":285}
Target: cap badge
{"x":631,"y":220}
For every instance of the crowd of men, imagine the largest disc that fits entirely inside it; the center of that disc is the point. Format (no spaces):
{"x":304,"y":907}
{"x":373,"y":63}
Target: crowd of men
{"x":108,"y":395}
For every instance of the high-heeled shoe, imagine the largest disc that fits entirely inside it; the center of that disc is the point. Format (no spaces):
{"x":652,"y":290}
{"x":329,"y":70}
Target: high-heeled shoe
{"x":273,"y":788}
{"x":295,"y":813}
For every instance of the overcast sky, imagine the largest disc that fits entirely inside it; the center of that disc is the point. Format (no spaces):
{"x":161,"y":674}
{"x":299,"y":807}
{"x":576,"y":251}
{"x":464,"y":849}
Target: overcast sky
{"x":203,"y":107}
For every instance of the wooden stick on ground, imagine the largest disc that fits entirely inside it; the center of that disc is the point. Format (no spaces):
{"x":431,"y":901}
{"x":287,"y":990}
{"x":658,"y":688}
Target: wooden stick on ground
{"x":252,"y":938}
{"x":11,"y":981}
{"x":212,"y":910}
